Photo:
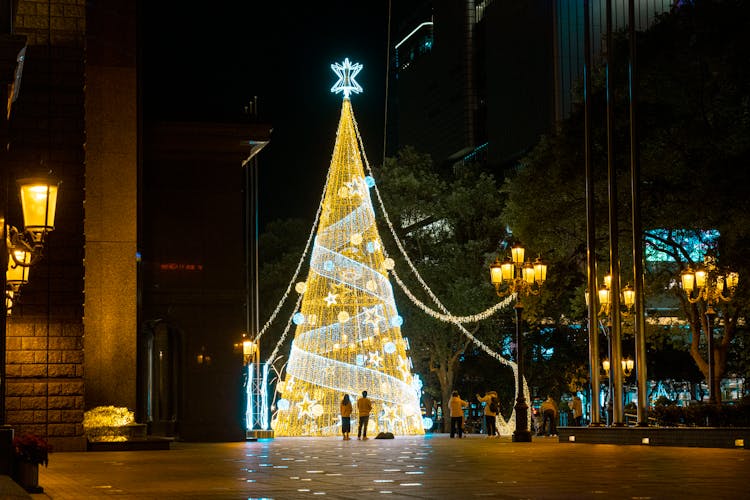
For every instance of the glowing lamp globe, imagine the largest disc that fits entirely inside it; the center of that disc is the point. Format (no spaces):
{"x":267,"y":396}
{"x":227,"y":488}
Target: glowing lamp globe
{"x":528,"y":273}
{"x":540,"y":271}
{"x":604,"y":296}
{"x":700,"y":278}
{"x":38,"y":201}
{"x":507,"y":270}
{"x":688,"y":280}
{"x":628,"y":296}
{"x":18,"y":268}
{"x":517,"y":254}
{"x":496,"y":272}
{"x":627,"y":365}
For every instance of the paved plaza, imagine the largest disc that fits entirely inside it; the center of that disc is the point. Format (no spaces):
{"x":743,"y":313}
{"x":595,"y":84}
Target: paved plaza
{"x":433,"y":467}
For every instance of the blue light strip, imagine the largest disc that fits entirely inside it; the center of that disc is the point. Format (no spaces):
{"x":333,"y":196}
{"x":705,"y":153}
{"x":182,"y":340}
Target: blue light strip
{"x":264,"y":399}
{"x":249,"y":389}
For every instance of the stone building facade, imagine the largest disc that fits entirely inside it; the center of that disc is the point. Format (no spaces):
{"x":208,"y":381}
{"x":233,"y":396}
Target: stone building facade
{"x":79,"y":335}
{"x":45,"y":133}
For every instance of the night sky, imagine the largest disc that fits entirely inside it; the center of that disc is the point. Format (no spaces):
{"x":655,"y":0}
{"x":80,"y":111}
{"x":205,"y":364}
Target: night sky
{"x":206,"y":62}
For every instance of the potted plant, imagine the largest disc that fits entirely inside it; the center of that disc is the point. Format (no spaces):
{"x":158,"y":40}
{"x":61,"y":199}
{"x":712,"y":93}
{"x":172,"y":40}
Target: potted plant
{"x":30,"y":451}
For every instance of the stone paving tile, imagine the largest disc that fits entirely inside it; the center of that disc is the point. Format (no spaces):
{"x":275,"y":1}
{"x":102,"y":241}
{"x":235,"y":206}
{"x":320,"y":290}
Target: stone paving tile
{"x":432,"y":467}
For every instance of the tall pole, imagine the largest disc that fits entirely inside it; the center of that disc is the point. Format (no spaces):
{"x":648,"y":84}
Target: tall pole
{"x":710,"y":315}
{"x":593,"y":323}
{"x":639,"y":309}
{"x":256,"y":308}
{"x":521,"y":434}
{"x":4,"y":266}
{"x":614,"y":253}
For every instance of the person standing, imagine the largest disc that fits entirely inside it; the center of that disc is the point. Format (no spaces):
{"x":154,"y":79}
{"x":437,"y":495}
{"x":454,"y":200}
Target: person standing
{"x":364,"y":407}
{"x":491,"y":409}
{"x":549,"y":412}
{"x":576,"y":406}
{"x":346,"y":417}
{"x":457,"y":405}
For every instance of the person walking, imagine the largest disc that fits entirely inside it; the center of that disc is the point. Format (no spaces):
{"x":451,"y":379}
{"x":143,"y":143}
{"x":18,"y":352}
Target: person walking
{"x":491,"y":409}
{"x":576,"y":406}
{"x":549,"y":412}
{"x":346,"y":417}
{"x":364,"y":407}
{"x":456,"y":406}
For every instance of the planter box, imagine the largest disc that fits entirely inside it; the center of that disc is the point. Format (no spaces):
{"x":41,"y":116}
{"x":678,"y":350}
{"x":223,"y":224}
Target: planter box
{"x":701,"y":437}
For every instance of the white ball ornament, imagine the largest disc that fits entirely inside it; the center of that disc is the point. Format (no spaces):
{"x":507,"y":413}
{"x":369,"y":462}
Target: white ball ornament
{"x":300,"y":287}
{"x":317,"y":410}
{"x":388,"y":264}
{"x":343,"y":317}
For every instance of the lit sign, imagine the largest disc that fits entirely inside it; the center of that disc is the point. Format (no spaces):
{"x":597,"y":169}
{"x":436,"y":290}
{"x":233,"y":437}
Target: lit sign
{"x":177,"y":266}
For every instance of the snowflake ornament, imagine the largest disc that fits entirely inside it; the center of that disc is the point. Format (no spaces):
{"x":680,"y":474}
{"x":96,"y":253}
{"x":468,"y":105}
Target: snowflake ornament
{"x":346,"y":73}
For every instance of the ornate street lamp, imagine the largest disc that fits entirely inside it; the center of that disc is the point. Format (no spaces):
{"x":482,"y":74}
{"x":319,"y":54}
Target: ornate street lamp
{"x":627,"y":298}
{"x":514,"y":276}
{"x":627,"y":366}
{"x":709,"y":285}
{"x":19,"y":250}
{"x":24,"y":248}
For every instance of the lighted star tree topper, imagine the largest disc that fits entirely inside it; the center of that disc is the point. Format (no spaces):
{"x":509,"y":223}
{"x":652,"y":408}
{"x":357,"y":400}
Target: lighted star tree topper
{"x":348,"y":336}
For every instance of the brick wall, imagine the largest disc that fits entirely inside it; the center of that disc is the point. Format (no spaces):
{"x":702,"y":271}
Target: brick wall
{"x":44,"y":356}
{"x":60,"y":21}
{"x":45,"y":393}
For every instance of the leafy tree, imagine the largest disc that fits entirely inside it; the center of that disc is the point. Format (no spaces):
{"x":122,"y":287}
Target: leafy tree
{"x":280,"y":247}
{"x":449,"y":225}
{"x":694,"y":140}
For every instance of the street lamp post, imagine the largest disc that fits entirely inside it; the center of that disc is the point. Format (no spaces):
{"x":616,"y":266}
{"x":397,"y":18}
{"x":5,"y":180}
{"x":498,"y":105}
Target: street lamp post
{"x":627,"y":365}
{"x":709,"y":285}
{"x":19,"y":250}
{"x":614,"y":351}
{"x":522,"y":278}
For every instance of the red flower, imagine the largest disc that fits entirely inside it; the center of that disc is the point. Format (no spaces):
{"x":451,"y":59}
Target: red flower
{"x":32,"y":448}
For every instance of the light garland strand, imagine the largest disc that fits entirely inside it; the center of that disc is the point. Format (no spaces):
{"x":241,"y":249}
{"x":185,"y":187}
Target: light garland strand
{"x":297,"y":270}
{"x":449,"y":318}
{"x":347,"y":337}
{"x":427,"y":289}
{"x":446,"y":316}
{"x":272,"y":358}
{"x":414,"y":270}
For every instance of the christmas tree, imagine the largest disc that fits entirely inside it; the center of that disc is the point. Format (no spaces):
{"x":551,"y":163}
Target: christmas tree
{"x":348,"y":336}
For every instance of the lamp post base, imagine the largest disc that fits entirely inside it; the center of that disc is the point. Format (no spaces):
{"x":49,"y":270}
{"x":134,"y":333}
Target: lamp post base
{"x":520,"y":436}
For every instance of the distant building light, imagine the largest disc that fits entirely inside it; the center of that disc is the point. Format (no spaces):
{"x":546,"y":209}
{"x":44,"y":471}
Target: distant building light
{"x":178,"y":266}
{"x":426,"y":23}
